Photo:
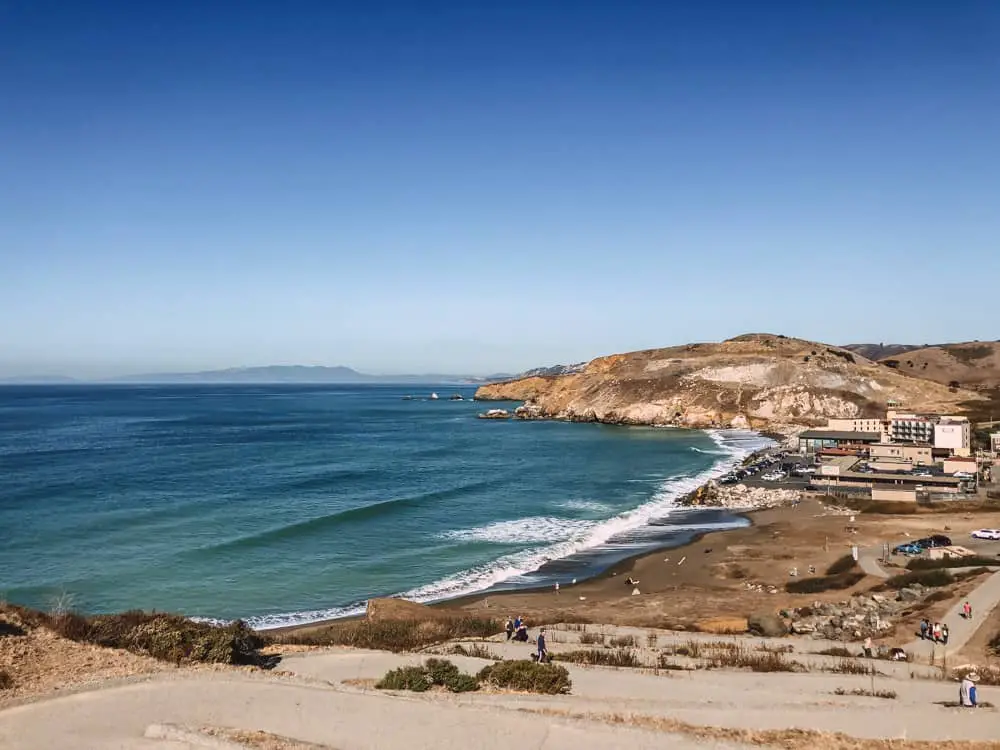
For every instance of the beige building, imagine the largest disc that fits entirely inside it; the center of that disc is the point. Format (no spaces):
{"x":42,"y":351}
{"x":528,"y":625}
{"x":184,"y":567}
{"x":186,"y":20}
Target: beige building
{"x":894,"y":495}
{"x":995,"y":442}
{"x":901,"y":453}
{"x":856,"y":425}
{"x":954,"y":434}
{"x":959,"y":463}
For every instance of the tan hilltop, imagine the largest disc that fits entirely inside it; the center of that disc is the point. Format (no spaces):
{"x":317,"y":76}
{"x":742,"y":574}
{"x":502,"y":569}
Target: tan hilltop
{"x":754,"y":380}
{"x":973,"y":364}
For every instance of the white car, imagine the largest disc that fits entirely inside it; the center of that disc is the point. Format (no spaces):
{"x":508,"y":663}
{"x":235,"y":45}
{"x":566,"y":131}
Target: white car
{"x":986,"y":534}
{"x":963,"y":475}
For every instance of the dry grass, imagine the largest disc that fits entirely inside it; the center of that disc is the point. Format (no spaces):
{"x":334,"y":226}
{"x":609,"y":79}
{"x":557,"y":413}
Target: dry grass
{"x":742,"y":657}
{"x":592,"y":638}
{"x":475,"y":650}
{"x":837,"y":651}
{"x":621,"y":657}
{"x":622,"y":641}
{"x":259,"y":740}
{"x":395,"y":635}
{"x":6,"y":681}
{"x":853,"y":666}
{"x":887,"y":694}
{"x":787,"y":739}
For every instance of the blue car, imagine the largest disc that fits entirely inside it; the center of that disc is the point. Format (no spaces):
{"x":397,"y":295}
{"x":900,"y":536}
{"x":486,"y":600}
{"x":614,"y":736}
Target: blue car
{"x":910,"y":548}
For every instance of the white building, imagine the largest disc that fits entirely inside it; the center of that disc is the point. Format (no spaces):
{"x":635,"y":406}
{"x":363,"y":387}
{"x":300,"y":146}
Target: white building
{"x":954,"y":434}
{"x":995,"y":442}
{"x":909,"y":428}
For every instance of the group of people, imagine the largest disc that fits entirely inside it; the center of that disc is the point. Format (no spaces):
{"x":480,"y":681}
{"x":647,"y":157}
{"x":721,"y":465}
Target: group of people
{"x":517,"y":630}
{"x":937,"y":632}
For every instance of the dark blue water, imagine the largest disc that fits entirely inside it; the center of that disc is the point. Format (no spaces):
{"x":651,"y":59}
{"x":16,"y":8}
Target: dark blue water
{"x":293,"y":503}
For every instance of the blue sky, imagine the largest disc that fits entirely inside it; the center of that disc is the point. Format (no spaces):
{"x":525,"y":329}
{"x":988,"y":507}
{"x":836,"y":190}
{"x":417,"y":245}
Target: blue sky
{"x":473,"y":187}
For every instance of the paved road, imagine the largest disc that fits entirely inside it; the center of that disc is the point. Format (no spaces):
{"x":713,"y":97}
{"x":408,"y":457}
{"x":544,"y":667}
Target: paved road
{"x":983,"y":600}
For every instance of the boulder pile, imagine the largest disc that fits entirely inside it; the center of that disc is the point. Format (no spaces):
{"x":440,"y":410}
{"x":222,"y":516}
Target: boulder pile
{"x":741,"y":497}
{"x":860,"y":616}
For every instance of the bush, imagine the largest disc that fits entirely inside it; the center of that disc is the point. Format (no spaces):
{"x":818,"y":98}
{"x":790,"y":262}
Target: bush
{"x":622,"y":641}
{"x":841,"y":565}
{"x":591,"y":638}
{"x":928,"y":578}
{"x":528,"y":676}
{"x":462,"y":683}
{"x":756,"y":661}
{"x":837,"y":651}
{"x":439,"y":671}
{"x":474,"y":650}
{"x":6,"y":681}
{"x":414,"y":679}
{"x":395,"y":635}
{"x":166,"y":637}
{"x":622,"y":657}
{"x":825,"y":583}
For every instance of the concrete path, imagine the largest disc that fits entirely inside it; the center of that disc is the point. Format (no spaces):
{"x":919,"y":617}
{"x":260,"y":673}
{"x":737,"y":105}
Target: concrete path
{"x":119,"y":717}
{"x":868,"y":559}
{"x":984,"y":598}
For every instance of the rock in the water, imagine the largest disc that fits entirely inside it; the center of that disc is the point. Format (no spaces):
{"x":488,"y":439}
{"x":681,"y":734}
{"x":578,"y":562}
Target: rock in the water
{"x":766,"y":624}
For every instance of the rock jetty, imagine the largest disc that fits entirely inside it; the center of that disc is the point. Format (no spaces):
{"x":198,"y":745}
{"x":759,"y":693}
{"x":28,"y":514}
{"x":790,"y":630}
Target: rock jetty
{"x":860,"y":616}
{"x":740,"y":497}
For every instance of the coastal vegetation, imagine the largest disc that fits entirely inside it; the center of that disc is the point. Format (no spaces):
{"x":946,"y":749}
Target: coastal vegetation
{"x":6,"y":681}
{"x":170,"y":638}
{"x":527,"y":676}
{"x":920,"y":563}
{"x":394,"y":635}
{"x":929,"y":578}
{"x":620,"y":657}
{"x":434,"y":672}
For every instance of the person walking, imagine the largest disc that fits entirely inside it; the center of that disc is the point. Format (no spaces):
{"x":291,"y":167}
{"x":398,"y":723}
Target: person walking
{"x":868,"y":647}
{"x":944,"y":634}
{"x":509,"y":627}
{"x":923,"y":629}
{"x":967,"y":609}
{"x":543,"y":653}
{"x":937,"y":632}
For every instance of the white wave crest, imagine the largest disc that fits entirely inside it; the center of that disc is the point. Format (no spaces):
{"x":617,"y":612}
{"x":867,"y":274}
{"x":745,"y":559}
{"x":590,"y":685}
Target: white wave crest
{"x":589,"y":506}
{"x":522,"y":531}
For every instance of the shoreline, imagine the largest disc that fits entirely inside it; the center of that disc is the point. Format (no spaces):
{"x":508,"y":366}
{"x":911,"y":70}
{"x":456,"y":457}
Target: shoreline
{"x":622,"y":566}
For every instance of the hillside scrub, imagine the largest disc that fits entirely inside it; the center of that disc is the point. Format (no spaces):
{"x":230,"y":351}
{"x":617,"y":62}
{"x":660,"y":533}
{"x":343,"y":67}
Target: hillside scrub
{"x":434,"y":672}
{"x":837,"y":582}
{"x":6,"y":681}
{"x":620,"y":657}
{"x":394,"y":635}
{"x":921,"y":563}
{"x":527,"y":676}
{"x":170,"y":638}
{"x":929,"y":578}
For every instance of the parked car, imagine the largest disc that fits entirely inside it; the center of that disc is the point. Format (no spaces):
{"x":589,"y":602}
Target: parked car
{"x":986,"y":534}
{"x":963,"y":475}
{"x":910,"y":548}
{"x":937,"y":540}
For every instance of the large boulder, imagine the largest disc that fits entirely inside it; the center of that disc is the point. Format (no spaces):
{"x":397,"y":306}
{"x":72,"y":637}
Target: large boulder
{"x":766,"y":624}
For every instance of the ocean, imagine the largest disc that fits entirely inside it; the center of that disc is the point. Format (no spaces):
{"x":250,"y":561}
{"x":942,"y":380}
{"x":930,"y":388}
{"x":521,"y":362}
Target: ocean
{"x":286,"y":504}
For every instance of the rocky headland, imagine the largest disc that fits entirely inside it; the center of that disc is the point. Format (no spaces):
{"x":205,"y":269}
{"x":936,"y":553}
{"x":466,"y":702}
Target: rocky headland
{"x":754,"y":381}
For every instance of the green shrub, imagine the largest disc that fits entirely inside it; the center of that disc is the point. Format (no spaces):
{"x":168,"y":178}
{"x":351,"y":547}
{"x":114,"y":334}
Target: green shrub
{"x":824,"y":583}
{"x":462,"y":683}
{"x":928,"y":578}
{"x":841,"y":565}
{"x":414,"y":679}
{"x":621,"y":657}
{"x":528,"y":676}
{"x":439,"y":671}
{"x":6,"y":681}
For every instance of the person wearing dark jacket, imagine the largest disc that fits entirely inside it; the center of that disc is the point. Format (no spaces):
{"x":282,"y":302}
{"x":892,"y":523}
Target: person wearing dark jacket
{"x":543,"y":653}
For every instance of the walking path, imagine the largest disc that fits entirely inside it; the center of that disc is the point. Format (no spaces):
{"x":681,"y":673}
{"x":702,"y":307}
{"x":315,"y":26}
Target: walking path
{"x":868,"y":559}
{"x":984,"y":598}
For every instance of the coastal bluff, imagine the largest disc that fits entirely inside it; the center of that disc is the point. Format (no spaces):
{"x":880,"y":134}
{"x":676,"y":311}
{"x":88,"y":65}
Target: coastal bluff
{"x":754,"y":381}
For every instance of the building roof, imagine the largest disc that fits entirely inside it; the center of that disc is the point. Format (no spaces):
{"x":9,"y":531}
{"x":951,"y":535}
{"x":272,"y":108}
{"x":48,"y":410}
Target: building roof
{"x":861,"y":437}
{"x":965,"y":459}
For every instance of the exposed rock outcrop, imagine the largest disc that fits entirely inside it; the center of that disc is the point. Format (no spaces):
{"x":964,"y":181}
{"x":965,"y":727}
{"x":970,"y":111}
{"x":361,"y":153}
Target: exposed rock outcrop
{"x":753,"y":381}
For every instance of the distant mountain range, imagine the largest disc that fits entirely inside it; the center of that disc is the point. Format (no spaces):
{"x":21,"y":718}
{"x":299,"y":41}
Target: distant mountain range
{"x":270,"y":374}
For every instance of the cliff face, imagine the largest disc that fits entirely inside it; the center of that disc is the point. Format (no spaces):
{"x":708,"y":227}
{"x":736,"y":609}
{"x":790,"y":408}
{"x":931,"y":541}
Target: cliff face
{"x":756,"y":380}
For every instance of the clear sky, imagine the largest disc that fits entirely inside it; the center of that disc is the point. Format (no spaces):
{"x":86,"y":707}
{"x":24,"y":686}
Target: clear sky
{"x":474,"y":187}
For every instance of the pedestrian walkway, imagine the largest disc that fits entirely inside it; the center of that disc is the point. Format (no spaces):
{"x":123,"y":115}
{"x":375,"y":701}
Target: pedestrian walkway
{"x":868,"y":559}
{"x":984,"y":598}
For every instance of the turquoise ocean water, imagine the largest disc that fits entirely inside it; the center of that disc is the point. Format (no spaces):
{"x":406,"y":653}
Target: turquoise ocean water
{"x":288,"y":504}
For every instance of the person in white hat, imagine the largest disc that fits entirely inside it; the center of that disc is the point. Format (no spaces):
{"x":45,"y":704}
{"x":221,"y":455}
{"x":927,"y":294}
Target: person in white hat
{"x":967,"y":690}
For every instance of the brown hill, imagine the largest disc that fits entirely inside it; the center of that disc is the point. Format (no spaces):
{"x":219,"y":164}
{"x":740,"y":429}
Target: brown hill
{"x":755,"y":380}
{"x":972,"y":365}
{"x":876,"y":352}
